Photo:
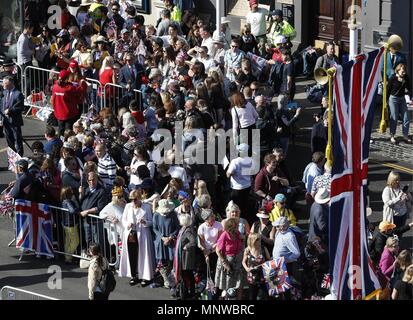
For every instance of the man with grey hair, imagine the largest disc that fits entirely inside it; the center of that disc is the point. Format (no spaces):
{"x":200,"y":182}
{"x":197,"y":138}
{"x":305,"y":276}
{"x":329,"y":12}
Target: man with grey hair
{"x":285,"y":244}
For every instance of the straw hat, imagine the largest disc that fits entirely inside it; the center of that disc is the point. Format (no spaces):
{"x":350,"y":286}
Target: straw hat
{"x":263,"y":214}
{"x":385,"y":226}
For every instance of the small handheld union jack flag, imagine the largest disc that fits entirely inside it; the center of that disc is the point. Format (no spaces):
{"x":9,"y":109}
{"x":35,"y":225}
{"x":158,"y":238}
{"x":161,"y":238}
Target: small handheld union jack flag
{"x":276,"y":276}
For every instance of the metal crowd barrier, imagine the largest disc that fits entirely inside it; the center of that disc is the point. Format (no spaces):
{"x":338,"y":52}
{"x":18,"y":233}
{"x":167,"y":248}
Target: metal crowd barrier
{"x":72,"y":235}
{"x":12,"y":293}
{"x":116,"y":96}
{"x":37,"y":86}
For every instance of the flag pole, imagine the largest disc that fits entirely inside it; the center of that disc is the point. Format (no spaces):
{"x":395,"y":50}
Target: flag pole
{"x":383,"y":122}
{"x":329,"y":149}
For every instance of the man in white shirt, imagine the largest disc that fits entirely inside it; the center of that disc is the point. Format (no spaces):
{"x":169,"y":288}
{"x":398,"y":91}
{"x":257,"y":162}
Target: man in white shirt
{"x":205,"y":34}
{"x":311,"y":171}
{"x":239,"y":171}
{"x":201,"y":54}
{"x":256,"y":18}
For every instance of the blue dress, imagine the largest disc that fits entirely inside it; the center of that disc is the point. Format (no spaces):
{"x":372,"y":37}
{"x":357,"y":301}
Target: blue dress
{"x":165,"y":226}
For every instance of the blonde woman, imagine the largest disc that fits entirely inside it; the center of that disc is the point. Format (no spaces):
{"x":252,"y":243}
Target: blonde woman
{"x":397,"y":202}
{"x":233,"y":212}
{"x":388,"y":257}
{"x":200,"y":188}
{"x":255,"y":254}
{"x":403,"y":290}
{"x":229,"y":250}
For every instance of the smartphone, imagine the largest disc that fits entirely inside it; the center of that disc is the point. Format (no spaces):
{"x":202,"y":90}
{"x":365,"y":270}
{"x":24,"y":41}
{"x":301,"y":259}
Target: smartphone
{"x":405,"y":188}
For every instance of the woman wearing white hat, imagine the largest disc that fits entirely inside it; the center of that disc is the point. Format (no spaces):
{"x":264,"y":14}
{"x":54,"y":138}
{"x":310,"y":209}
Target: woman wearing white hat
{"x":319,"y":216}
{"x":166,"y":227}
{"x":265,"y":229}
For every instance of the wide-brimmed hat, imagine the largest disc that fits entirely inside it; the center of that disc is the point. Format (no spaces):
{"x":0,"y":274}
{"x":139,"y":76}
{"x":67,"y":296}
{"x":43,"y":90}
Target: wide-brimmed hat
{"x":281,"y":221}
{"x":101,"y":39}
{"x":225,"y":20}
{"x":86,"y":3}
{"x":218,"y":39}
{"x":165,"y":206}
{"x":322,"y":196}
{"x":262,"y":214}
{"x":385,"y":226}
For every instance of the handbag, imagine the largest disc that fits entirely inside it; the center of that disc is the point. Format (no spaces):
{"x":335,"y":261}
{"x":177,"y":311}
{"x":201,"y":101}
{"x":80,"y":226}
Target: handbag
{"x":132,"y":237}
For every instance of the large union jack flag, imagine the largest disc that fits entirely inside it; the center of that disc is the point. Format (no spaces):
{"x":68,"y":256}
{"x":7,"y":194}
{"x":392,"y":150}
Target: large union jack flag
{"x":353,"y":275}
{"x":34,"y":227}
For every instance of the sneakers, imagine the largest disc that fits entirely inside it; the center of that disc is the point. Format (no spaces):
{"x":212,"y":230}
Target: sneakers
{"x":393,"y":140}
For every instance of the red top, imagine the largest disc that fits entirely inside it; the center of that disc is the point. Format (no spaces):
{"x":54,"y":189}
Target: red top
{"x":104,"y":78}
{"x":229,"y":246}
{"x":65,"y":100}
{"x":138,"y":115}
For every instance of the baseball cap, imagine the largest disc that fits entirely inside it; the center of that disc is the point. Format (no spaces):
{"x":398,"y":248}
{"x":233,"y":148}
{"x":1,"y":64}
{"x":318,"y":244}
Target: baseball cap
{"x":280,"y":198}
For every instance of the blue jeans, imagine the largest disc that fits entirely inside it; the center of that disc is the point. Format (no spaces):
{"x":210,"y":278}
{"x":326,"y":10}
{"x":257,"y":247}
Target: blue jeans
{"x":94,"y":232}
{"x":398,"y":105}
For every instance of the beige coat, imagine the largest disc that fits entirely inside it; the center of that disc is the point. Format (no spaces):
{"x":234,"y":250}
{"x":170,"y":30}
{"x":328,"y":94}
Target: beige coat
{"x":94,"y":275}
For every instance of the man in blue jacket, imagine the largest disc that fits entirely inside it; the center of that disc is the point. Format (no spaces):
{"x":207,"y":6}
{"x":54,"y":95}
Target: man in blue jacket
{"x":12,"y":106}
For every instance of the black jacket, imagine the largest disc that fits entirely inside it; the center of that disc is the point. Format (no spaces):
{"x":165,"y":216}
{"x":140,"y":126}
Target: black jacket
{"x":98,"y":199}
{"x":15,"y":105}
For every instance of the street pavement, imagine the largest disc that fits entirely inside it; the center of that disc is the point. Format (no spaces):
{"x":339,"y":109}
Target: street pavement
{"x":31,"y":273}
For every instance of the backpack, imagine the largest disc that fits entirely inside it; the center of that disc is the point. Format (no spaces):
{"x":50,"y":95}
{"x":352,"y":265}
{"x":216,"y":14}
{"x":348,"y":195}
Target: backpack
{"x":315,"y":93}
{"x":107,"y":282}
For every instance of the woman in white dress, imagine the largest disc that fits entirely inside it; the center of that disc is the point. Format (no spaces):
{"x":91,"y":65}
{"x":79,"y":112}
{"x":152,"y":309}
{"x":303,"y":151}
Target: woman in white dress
{"x":137,"y":260}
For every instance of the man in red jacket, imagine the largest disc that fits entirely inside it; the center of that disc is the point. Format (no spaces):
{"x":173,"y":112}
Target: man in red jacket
{"x":65,"y":100}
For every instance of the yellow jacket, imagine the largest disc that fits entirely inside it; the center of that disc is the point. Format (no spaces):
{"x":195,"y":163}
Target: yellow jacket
{"x":284,"y":28}
{"x":277,"y":213}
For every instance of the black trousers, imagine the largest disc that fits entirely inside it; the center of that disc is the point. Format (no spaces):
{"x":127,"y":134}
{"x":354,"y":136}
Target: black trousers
{"x":189,"y":284}
{"x":257,"y":292}
{"x":14,"y":138}
{"x":240,"y":197}
{"x":66,"y":124}
{"x":133,"y":257}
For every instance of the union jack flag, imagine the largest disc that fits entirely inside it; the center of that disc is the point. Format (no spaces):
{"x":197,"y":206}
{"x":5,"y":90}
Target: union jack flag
{"x":34,"y":227}
{"x":352,"y":272}
{"x":276,"y":276}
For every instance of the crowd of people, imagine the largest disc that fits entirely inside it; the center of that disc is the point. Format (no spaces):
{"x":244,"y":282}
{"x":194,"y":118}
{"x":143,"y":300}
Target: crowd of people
{"x":184,"y":223}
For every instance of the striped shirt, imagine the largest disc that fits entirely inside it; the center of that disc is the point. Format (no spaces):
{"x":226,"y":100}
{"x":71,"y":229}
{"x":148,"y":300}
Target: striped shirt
{"x":107,"y":170}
